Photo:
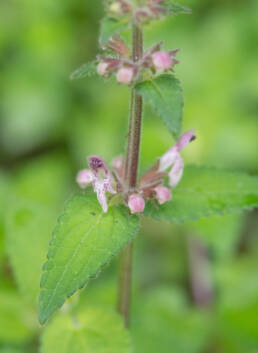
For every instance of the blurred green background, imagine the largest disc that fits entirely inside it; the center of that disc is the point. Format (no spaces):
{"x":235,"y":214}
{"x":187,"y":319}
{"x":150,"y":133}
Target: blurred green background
{"x":195,"y":285}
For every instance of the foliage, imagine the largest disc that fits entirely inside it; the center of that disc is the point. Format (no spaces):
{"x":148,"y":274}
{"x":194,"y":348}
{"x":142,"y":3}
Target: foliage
{"x":165,"y":95}
{"x":207,"y":191}
{"x":84,"y":240}
{"x":93,"y":330}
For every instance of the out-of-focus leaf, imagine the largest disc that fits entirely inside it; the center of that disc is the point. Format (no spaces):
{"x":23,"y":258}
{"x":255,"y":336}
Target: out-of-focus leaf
{"x":220,"y":233}
{"x":11,"y":350}
{"x":93,"y":330}
{"x":28,"y":230}
{"x":164,"y":94}
{"x":207,"y":191}
{"x":44,"y":180}
{"x":238,"y":306}
{"x":109,"y":27}
{"x":164,"y":323}
{"x":17,"y":324}
{"x":3,"y":197}
{"x":84,"y":240}
{"x":176,"y":9}
{"x":85,"y":70}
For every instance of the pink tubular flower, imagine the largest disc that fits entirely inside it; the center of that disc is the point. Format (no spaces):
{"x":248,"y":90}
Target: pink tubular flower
{"x":136,"y":203}
{"x":185,"y":139}
{"x":162,"y":61}
{"x":84,"y":178}
{"x":102,"y":180}
{"x":125,"y":75}
{"x":176,"y":171}
{"x":173,"y":159}
{"x":163,"y":194}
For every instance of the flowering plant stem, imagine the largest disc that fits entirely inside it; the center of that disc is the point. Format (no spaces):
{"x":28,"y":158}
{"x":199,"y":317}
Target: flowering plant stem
{"x":125,"y":264}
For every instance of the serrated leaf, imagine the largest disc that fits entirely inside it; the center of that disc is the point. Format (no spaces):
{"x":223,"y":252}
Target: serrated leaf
{"x":176,"y":9}
{"x":109,"y":27}
{"x":93,"y":330}
{"x":86,"y":70}
{"x":84,"y":240}
{"x":207,"y":191}
{"x":28,"y":230}
{"x":164,"y":94}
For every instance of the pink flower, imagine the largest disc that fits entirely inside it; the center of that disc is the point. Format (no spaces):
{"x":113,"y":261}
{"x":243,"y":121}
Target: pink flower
{"x":84,"y":178}
{"x":176,"y":171}
{"x":103,"y":179}
{"x":185,"y":139}
{"x":162,"y":61}
{"x":173,"y":159}
{"x":125,"y":75}
{"x":117,"y":162}
{"x":102,"y":68}
{"x":163,"y":194}
{"x":136,"y":203}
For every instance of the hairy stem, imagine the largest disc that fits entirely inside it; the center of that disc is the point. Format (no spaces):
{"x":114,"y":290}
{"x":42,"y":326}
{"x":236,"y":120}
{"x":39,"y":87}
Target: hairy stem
{"x":125,"y":264}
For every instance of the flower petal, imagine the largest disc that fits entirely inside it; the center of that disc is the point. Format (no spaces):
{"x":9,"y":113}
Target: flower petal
{"x":186,"y":138}
{"x":176,"y":172}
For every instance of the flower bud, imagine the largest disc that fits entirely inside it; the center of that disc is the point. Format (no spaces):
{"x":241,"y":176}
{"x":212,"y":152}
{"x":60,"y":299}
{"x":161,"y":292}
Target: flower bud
{"x":163,"y":194}
{"x":136,"y":203}
{"x":115,"y":8}
{"x":117,"y":162}
{"x":125,"y":75}
{"x":84,"y":178}
{"x":162,"y":61}
{"x":102,"y":68}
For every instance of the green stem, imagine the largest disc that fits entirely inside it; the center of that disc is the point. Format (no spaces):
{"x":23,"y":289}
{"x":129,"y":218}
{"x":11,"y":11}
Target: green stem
{"x":125,"y":265}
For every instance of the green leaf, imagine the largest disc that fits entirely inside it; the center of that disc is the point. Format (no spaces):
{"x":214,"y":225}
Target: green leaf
{"x":45,"y":180}
{"x":165,"y":323}
{"x":10,"y":350}
{"x":93,"y":330}
{"x":176,"y":9}
{"x":84,"y":240}
{"x":109,"y":27}
{"x":17,"y":324}
{"x":207,"y":191}
{"x":88,"y":69}
{"x":164,"y":93}
{"x":28,"y":230}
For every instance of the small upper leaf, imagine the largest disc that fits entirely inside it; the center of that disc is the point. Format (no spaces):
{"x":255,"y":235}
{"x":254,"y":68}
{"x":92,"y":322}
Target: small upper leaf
{"x":176,"y":9}
{"x":93,"y":330}
{"x":109,"y":27}
{"x":88,"y":69}
{"x":206,"y":191}
{"x":164,"y":93}
{"x":84,"y":240}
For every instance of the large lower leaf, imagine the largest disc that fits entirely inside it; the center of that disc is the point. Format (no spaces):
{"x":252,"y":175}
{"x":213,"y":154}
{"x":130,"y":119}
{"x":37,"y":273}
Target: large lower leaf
{"x":93,"y":330}
{"x":84,"y":240}
{"x":207,"y":191}
{"x":164,"y":93}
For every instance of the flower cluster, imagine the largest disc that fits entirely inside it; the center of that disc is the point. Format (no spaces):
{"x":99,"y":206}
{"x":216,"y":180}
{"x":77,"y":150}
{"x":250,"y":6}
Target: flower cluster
{"x":155,"y":61}
{"x":151,"y":185}
{"x":149,"y":10}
